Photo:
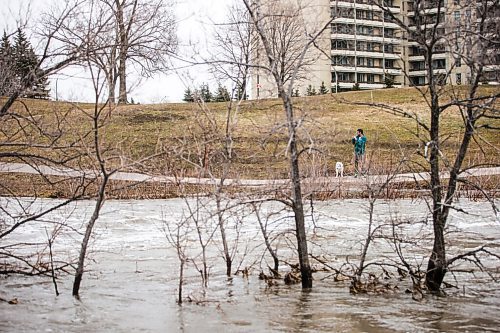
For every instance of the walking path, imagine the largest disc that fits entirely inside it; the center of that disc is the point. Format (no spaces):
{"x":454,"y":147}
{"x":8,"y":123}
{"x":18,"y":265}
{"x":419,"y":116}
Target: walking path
{"x":325,"y":183}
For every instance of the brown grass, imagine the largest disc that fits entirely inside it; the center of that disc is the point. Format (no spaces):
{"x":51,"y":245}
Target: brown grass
{"x":190,"y":134}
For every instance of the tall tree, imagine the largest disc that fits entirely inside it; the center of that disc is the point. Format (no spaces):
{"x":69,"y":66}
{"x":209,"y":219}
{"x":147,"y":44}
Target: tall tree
{"x":234,"y":42}
{"x":145,"y":36}
{"x":281,"y":37}
{"x":53,"y":56}
{"x":126,"y":36}
{"x":27,"y":69}
{"x":24,"y":55}
{"x":473,"y":38}
{"x":7,"y":66}
{"x":38,"y":138}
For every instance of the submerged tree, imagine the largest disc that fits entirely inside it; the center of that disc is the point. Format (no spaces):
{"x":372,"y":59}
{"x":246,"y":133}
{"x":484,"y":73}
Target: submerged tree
{"x":41,"y":139}
{"x":281,"y":32}
{"x":476,"y":46}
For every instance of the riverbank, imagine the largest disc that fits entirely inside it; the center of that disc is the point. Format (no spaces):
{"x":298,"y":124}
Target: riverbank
{"x":25,"y":185}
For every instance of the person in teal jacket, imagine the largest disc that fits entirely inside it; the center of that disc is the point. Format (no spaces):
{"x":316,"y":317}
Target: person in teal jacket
{"x":359,"y":142}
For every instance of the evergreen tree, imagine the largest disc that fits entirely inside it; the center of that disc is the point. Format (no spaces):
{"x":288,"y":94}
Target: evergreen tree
{"x":205,"y":94}
{"x":310,"y":91}
{"x":27,"y":71}
{"x":7,"y":69}
{"x":388,"y":81}
{"x":296,"y":93}
{"x":322,"y":89}
{"x":355,"y":87}
{"x":222,"y":94}
{"x":25,"y":58}
{"x":188,"y":95}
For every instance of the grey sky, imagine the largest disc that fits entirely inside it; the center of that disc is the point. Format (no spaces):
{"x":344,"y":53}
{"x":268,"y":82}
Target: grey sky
{"x":194,"y":18}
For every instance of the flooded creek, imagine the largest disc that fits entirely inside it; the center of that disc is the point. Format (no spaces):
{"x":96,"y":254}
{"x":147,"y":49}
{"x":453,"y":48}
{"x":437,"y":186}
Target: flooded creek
{"x":131,"y":280}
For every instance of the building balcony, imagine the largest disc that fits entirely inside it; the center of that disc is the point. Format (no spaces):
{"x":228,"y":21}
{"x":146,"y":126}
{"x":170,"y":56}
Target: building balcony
{"x":369,"y":23}
{"x":364,"y":4}
{"x":362,"y":85}
{"x":423,"y":72}
{"x":427,"y":25}
{"x":366,"y":70}
{"x":428,"y":11}
{"x":366,"y":54}
{"x":378,"y":39}
{"x":441,"y":55}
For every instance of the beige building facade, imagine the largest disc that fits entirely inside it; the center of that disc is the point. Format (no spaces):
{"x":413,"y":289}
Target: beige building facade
{"x":365,"y":48}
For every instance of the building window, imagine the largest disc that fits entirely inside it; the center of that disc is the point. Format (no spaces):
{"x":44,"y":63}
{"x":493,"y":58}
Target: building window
{"x":459,"y":79}
{"x":370,"y":62}
{"x":360,"y":77}
{"x":343,"y":77}
{"x":339,"y":45}
{"x":343,"y":60}
{"x":458,"y":62}
{"x":370,"y":78}
{"x":456,"y":15}
{"x":439,"y":64}
{"x":388,"y":48}
{"x":361,"y":61}
{"x":389,"y":63}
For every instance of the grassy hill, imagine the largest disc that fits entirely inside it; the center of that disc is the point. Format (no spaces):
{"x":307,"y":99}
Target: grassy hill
{"x":185,"y":138}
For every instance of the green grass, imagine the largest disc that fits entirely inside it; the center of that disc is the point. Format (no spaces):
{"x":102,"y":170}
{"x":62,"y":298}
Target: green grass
{"x":192,"y":134}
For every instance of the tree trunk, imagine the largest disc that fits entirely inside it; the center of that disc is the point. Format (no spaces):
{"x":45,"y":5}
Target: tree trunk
{"x":298,"y":207}
{"x":181,"y":281}
{"x":227,"y":256}
{"x":436,"y":267}
{"x":86,"y":238}
{"x":111,"y":89}
{"x":122,"y":52}
{"x":266,"y":240}
{"x":122,"y":73}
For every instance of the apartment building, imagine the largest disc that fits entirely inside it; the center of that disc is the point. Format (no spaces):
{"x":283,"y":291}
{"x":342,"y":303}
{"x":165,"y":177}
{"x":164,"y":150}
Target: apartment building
{"x":369,"y":50}
{"x":366,"y":46}
{"x":457,"y":21}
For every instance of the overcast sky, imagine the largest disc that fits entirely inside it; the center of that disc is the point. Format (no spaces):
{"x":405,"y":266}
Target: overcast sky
{"x":194,"y":16}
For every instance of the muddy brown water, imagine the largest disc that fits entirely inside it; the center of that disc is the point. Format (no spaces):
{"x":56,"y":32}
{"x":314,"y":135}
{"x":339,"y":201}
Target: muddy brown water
{"x":132,"y":278}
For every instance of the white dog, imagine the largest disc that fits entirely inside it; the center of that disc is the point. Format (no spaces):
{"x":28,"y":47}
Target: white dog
{"x":339,"y":169}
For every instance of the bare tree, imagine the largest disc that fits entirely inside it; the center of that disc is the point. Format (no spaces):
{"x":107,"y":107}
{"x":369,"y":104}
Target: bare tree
{"x":145,"y":36}
{"x":285,"y":52}
{"x":266,"y":234}
{"x":120,"y":34}
{"x":234,"y":41}
{"x":178,"y":238}
{"x":40,"y":137}
{"x":97,"y":118}
{"x":476,"y":106}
